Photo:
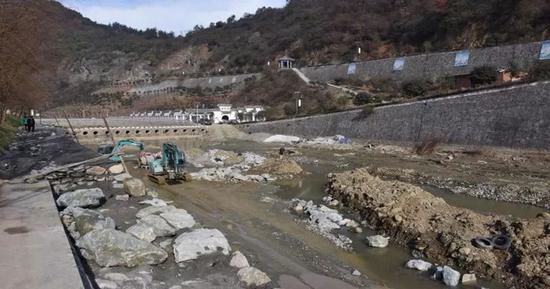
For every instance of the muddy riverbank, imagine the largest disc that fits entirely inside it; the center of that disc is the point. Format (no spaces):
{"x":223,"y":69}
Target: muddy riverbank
{"x":444,"y":234}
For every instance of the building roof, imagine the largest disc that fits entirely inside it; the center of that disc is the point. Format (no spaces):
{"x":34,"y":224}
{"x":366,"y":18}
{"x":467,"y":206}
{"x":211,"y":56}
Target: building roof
{"x":286,"y":58}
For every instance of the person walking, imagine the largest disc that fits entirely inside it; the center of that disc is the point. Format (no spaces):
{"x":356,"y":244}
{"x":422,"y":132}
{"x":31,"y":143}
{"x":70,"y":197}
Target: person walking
{"x":30,"y":124}
{"x":24,"y":122}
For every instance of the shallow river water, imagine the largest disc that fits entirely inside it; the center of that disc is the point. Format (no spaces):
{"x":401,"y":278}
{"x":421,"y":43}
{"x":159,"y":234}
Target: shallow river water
{"x":261,"y":226}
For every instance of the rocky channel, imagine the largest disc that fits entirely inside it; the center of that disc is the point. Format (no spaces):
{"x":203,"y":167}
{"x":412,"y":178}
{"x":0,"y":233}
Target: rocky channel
{"x":125,"y":255}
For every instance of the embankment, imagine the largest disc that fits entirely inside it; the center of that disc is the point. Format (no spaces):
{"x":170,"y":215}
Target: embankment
{"x":515,"y":117}
{"x":443,"y":233}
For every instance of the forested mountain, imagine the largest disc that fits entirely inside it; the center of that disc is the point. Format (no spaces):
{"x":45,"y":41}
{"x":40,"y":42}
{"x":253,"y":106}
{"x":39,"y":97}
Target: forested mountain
{"x":80,"y":55}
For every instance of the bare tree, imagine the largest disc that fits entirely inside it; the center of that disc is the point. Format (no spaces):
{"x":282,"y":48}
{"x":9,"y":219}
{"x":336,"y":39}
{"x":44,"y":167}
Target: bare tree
{"x":24,"y":37}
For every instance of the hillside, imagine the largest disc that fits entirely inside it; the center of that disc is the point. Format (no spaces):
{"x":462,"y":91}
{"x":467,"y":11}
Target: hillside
{"x":83,"y":55}
{"x":324,"y":31}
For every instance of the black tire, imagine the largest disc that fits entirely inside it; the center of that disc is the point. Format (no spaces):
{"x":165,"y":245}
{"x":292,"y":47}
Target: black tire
{"x":502,"y":242}
{"x":483,"y":243}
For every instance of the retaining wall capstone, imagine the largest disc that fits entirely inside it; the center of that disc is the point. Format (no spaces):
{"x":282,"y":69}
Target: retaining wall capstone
{"x":515,"y":117}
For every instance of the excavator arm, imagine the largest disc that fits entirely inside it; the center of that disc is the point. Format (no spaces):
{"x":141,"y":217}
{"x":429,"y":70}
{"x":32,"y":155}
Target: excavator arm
{"x":122,"y":144}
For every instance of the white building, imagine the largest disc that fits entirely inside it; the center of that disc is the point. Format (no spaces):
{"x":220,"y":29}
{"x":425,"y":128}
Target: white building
{"x":225,"y":113}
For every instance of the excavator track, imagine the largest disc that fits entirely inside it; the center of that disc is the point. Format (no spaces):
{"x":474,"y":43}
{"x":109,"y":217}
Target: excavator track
{"x":161,"y":180}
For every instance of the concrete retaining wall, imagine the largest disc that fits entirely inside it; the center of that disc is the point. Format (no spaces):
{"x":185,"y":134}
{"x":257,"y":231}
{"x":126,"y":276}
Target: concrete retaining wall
{"x":98,"y":134}
{"x":433,"y":65}
{"x":517,"y":117}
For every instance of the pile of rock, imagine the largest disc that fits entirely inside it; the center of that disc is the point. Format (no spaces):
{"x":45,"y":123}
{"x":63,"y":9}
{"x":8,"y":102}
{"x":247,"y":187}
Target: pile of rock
{"x":446,"y":274}
{"x":160,"y":221}
{"x":229,"y":174}
{"x":227,"y":166}
{"x":220,"y":158}
{"x":333,"y":141}
{"x":160,"y":229}
{"x":325,"y":221}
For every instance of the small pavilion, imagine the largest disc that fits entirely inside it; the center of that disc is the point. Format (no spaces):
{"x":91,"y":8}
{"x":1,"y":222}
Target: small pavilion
{"x":286,"y":62}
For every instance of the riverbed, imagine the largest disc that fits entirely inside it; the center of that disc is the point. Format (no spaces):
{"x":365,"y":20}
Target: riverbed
{"x":257,"y":217}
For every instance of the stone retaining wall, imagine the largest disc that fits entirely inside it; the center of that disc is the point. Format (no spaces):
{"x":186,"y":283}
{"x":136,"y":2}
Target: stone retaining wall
{"x":433,"y":65}
{"x":516,"y":117}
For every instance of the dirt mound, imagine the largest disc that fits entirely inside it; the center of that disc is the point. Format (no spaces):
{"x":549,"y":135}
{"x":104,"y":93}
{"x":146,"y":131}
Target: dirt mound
{"x":280,"y":167}
{"x":533,"y":193}
{"x":444,"y":233}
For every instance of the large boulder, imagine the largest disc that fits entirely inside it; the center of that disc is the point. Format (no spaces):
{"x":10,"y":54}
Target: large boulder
{"x":110,"y":248}
{"x":238,"y":260}
{"x":191,"y":245}
{"x":82,"y":198}
{"x":153,"y":210}
{"x":451,"y":277}
{"x":178,"y":218}
{"x":122,"y":177}
{"x":116,"y":169}
{"x":159,"y":225}
{"x":143,"y":232}
{"x":378,"y":241}
{"x":134,"y":187}
{"x":419,"y":265}
{"x":96,"y":171}
{"x":84,"y":221}
{"x":253,"y":277}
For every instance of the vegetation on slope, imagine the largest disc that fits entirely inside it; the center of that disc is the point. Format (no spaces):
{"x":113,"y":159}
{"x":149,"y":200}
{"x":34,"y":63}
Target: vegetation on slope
{"x":324,"y":31}
{"x":279,"y":90}
{"x":313,"y":31}
{"x":7,"y":132}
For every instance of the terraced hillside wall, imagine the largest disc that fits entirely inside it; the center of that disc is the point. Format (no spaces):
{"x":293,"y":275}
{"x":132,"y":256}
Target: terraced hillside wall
{"x":432,"y":65}
{"x":516,"y":117}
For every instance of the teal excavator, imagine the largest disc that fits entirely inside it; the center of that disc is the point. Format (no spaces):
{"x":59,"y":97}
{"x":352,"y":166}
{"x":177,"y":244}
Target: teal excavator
{"x":168,"y":167}
{"x":164,"y":167}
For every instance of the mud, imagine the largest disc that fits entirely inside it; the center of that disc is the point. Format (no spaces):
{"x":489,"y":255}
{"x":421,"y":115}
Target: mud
{"x":34,"y":151}
{"x":443,"y":233}
{"x":536,"y":192}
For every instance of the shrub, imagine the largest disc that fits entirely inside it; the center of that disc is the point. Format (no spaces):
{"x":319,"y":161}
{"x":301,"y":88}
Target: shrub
{"x":289,"y":109}
{"x":427,"y":147}
{"x":7,"y":132}
{"x":384,"y":85}
{"x":541,"y":71}
{"x":485,"y":74}
{"x":414,"y":88}
{"x":363,"y":98}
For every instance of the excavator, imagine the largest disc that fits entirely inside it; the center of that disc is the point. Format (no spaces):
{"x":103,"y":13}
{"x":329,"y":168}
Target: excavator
{"x":115,"y":151}
{"x":163,"y":167}
{"x":168,"y":167}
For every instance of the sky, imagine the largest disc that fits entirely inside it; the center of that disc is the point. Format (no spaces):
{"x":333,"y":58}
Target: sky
{"x":178,"y":16}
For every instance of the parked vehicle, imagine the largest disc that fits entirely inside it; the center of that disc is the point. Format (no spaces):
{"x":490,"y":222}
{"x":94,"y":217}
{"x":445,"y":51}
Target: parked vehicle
{"x":205,"y":121}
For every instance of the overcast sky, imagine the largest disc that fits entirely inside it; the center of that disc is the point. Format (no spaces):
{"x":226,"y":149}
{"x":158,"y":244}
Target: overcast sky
{"x":178,"y":16}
